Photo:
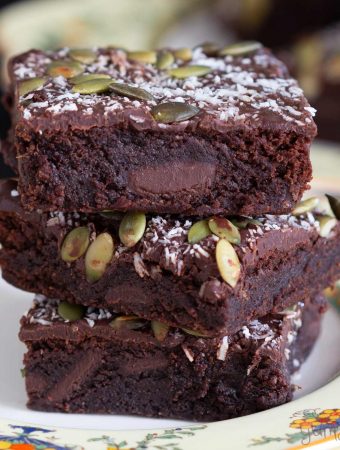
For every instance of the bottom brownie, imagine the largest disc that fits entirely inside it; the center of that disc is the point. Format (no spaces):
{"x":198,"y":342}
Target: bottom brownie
{"x":101,"y":363}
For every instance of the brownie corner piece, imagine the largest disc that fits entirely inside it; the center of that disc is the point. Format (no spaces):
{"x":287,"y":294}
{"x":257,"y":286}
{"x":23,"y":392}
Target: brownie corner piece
{"x":216,"y":134}
{"x":99,"y":363}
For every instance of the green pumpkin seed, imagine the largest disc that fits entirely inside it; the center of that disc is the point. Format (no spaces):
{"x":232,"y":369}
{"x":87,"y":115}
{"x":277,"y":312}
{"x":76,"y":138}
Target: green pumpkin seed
{"x":71,"y":312}
{"x":210,"y":48}
{"x":194,"y":333}
{"x":114,"y":215}
{"x":66,"y":69}
{"x":89,"y":77}
{"x":198,"y":231}
{"x":75,"y":244}
{"x":164,"y":60}
{"x":32,"y":84}
{"x":335,"y":205}
{"x":97,"y":86}
{"x":146,"y":57}
{"x":327,"y":224}
{"x":127,"y":322}
{"x":243,"y":223}
{"x":189,"y":71}
{"x":83,"y":55}
{"x":305,"y":206}
{"x":132,"y":228}
{"x":126,"y":90}
{"x":160,"y":330}
{"x":174,"y":112}
{"x":290,"y":311}
{"x":227,"y":262}
{"x":98,"y":256}
{"x":23,"y":372}
{"x":240,"y":48}
{"x":184,"y":54}
{"x":224,"y":229}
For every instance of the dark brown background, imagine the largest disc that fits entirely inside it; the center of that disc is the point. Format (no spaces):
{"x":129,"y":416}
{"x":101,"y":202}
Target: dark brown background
{"x":4,"y":171}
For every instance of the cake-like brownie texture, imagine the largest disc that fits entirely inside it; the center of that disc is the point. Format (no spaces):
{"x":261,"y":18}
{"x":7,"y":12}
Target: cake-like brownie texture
{"x":101,"y":364}
{"x":216,"y":134}
{"x":163,"y":276}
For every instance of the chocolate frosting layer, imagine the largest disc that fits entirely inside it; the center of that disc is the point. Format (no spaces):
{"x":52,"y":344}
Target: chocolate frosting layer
{"x":253,"y":90}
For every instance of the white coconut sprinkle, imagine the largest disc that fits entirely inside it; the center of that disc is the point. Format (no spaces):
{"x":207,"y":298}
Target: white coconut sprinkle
{"x":188,"y":353}
{"x":139,"y":265}
{"x":246,"y":332}
{"x":223,"y":349}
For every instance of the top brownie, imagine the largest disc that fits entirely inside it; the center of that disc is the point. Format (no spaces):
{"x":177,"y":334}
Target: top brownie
{"x":200,"y":131}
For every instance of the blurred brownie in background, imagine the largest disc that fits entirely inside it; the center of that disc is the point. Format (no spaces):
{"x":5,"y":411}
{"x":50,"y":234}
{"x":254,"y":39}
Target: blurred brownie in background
{"x":4,"y":125}
{"x":4,"y":118}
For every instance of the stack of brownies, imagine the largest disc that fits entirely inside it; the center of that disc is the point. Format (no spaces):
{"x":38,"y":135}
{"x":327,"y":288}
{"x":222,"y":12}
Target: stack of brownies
{"x":156,"y":215}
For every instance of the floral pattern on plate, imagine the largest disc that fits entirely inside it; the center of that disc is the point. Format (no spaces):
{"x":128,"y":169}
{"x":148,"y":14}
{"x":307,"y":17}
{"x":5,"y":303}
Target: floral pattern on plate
{"x":309,"y":424}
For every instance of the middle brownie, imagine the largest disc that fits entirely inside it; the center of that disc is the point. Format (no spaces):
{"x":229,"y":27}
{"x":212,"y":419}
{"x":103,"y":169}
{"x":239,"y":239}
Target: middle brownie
{"x":165,"y":277}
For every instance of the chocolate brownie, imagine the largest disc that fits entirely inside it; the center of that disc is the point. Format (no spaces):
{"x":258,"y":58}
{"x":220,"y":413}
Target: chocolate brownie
{"x":163,"y":276}
{"x":108,"y":364}
{"x":217,"y":134}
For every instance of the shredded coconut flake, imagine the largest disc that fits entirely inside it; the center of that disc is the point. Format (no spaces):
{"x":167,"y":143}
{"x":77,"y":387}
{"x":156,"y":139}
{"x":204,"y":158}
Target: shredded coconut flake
{"x":223,"y":349}
{"x":188,"y":353}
